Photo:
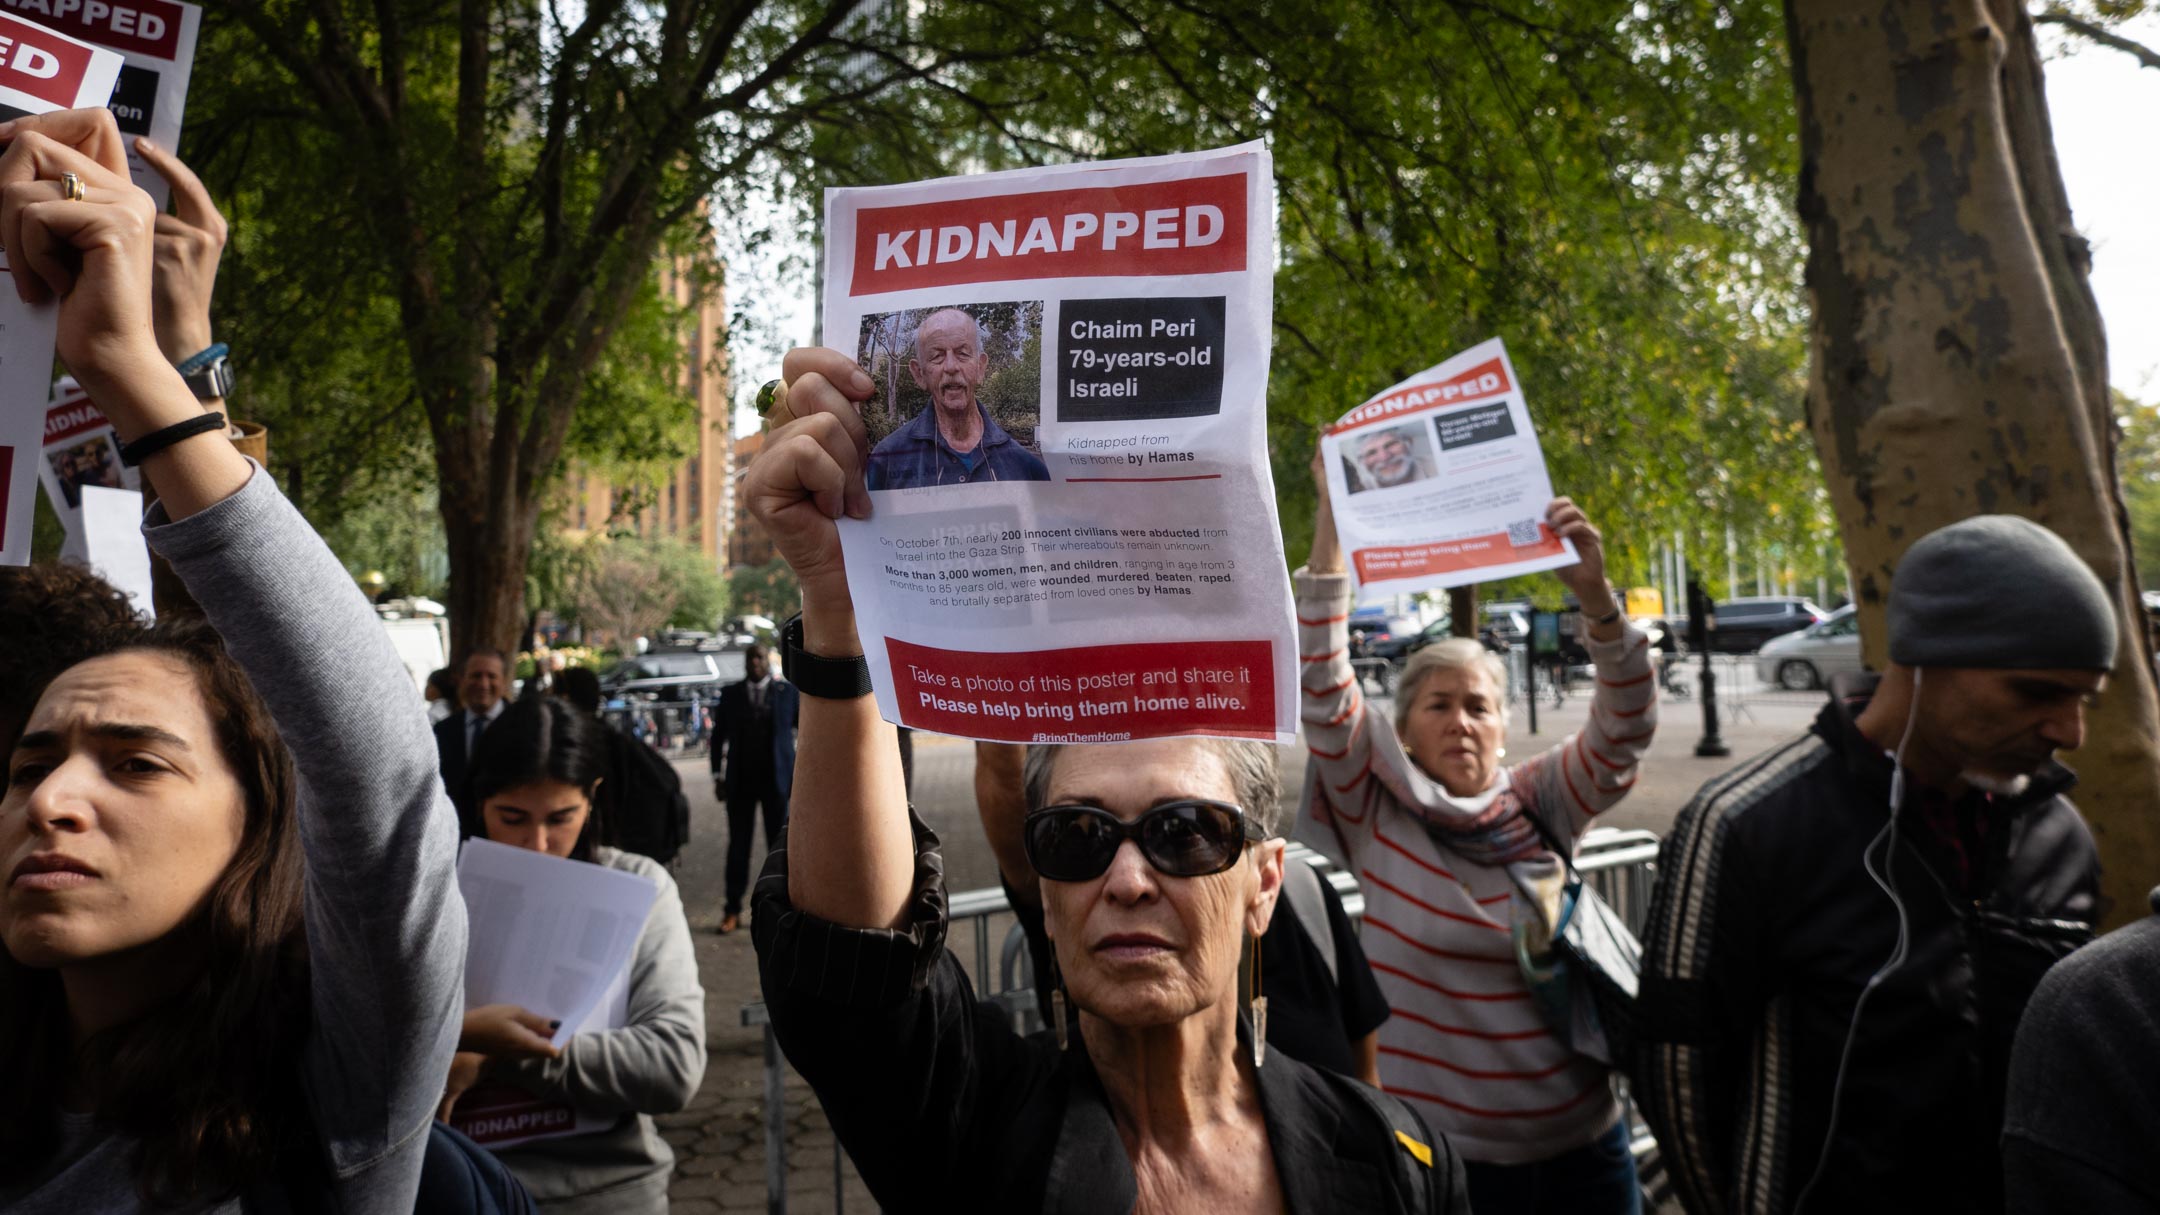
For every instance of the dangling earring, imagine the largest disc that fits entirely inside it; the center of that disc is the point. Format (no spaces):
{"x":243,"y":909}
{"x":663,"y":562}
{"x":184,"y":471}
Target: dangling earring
{"x":1057,"y":1012}
{"x":1259,"y":1009}
{"x":1500,"y":754}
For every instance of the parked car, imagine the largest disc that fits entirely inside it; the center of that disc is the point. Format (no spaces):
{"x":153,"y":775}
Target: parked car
{"x":1743,"y":625}
{"x":1807,"y":659}
{"x":678,"y":675}
{"x":1404,"y":636}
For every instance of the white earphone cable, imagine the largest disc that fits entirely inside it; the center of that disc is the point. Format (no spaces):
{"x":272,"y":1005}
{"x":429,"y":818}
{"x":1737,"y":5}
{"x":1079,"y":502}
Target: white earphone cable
{"x":1886,"y":879}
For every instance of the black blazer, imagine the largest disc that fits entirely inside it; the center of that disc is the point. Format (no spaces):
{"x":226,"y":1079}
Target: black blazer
{"x":450,"y":755}
{"x":731,"y":727}
{"x":944,"y":1108}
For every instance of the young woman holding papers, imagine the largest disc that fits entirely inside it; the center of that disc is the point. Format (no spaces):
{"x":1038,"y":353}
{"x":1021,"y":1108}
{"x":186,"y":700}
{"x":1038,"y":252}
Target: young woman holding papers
{"x":531,"y":787}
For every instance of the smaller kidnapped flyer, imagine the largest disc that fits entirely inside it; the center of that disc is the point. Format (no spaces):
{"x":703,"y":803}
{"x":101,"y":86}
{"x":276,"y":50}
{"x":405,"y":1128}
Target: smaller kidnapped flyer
{"x":40,"y":71}
{"x":81,"y":450}
{"x":1073,"y":533}
{"x":1439,"y":481}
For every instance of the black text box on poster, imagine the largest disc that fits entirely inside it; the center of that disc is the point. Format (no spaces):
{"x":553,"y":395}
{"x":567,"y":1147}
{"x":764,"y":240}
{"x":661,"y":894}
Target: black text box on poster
{"x":1464,"y":427}
{"x":134,"y":99}
{"x":1132,"y":359}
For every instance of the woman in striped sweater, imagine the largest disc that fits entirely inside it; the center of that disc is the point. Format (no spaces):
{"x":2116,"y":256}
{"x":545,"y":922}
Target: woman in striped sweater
{"x":1454,"y":870}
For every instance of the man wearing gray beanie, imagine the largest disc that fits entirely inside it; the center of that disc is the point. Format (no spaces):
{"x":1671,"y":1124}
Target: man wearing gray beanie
{"x":1846,"y":930}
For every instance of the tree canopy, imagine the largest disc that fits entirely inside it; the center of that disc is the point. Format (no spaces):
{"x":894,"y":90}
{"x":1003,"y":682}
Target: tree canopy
{"x":448,"y":216}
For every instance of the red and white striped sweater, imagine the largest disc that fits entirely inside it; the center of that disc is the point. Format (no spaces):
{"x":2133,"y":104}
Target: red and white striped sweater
{"x":1466,"y":1043}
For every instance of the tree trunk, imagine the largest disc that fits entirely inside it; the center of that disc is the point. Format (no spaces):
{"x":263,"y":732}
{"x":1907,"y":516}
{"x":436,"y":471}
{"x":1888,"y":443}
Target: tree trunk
{"x":488,"y":552}
{"x":1462,"y":611}
{"x":1957,"y":362}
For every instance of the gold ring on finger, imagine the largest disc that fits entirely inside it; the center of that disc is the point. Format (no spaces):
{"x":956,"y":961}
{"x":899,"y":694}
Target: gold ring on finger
{"x":71,"y":187}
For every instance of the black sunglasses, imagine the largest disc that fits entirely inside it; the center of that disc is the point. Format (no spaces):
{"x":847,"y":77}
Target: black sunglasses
{"x":1189,"y":838}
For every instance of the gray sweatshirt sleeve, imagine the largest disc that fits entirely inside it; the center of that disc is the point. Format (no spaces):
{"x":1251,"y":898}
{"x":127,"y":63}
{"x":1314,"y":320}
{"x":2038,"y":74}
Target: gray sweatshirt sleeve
{"x":385,"y":922}
{"x":655,"y":1062}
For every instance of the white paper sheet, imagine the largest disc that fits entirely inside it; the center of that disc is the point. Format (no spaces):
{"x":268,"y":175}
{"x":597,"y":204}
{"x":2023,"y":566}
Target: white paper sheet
{"x":555,"y":937}
{"x":547,"y":934}
{"x":113,"y":541}
{"x":1439,"y":481}
{"x":40,"y":71}
{"x":1097,"y":559}
{"x":504,"y":1115}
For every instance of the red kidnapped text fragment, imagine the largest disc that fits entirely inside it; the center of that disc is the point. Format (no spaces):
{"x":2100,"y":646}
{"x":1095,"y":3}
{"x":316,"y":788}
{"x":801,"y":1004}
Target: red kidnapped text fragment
{"x":1193,"y":225}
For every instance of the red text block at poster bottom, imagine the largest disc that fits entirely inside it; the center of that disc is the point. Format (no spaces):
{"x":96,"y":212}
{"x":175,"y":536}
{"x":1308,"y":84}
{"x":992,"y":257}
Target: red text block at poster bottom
{"x":1102,"y":693}
{"x":1451,"y":556}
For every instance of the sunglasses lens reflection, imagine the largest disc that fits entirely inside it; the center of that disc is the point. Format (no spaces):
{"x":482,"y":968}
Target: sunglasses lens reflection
{"x":1182,"y":839}
{"x":1188,"y":839}
{"x":1071,"y":844}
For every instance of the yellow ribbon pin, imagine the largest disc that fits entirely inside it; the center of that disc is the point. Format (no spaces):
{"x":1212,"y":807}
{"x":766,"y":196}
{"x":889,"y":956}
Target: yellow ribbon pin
{"x":1419,"y":1150}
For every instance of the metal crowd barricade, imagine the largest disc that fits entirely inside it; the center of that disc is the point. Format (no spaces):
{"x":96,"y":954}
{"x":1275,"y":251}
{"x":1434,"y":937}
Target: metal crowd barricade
{"x":1620,"y":864}
{"x":1378,"y":672}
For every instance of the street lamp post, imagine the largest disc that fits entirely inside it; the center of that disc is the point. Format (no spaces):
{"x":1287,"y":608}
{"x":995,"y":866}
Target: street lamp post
{"x":1702,"y":621}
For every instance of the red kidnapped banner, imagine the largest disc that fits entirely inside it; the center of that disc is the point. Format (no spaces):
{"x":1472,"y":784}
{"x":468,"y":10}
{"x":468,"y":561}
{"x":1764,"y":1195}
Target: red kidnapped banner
{"x":1451,"y":556}
{"x":1193,"y":225}
{"x":142,"y":27}
{"x":35,"y":62}
{"x":71,"y":418}
{"x":499,"y":1113}
{"x":1488,"y":379}
{"x":1089,"y":694}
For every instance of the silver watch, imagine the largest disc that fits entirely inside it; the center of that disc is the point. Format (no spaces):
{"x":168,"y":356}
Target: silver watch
{"x":212,"y":380}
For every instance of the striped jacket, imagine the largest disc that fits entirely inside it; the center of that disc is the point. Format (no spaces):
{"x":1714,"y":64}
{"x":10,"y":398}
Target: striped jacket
{"x":1765,"y":928}
{"x":1466,"y":1045}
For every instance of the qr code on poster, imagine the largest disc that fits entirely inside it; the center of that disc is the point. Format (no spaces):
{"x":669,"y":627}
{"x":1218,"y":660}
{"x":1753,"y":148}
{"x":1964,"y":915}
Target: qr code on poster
{"x":1524,"y":532}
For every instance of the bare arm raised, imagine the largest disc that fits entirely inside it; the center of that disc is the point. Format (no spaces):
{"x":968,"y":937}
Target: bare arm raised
{"x":851,"y":852}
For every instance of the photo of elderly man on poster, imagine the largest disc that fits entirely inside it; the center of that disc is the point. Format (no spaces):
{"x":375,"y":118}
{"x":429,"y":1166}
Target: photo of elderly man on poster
{"x":1394,"y":455}
{"x":954,"y":439}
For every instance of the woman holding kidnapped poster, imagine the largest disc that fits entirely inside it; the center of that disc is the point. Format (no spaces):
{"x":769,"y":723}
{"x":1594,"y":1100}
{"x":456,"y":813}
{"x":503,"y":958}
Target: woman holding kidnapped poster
{"x":1455,"y":852}
{"x":1158,"y":866}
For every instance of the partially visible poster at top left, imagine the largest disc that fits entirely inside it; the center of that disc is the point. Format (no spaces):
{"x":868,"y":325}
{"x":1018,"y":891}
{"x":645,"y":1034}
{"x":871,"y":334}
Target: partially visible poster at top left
{"x":40,"y":71}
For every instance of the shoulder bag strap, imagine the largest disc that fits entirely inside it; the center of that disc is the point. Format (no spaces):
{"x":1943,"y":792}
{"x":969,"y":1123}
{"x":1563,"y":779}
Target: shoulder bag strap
{"x":1301,"y":887}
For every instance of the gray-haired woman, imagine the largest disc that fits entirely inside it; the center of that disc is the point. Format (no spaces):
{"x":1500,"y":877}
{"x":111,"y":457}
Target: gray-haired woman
{"x":1157,"y":864}
{"x":1454,"y":852}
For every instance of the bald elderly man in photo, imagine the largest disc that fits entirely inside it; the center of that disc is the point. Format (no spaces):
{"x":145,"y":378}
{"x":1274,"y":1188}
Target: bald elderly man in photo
{"x":954,"y":441}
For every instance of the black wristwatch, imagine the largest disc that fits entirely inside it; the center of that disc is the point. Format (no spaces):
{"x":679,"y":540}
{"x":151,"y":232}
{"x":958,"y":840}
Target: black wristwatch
{"x":814,"y":675}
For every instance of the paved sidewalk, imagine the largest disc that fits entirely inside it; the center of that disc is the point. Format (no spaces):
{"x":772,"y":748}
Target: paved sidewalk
{"x":719,"y":1140}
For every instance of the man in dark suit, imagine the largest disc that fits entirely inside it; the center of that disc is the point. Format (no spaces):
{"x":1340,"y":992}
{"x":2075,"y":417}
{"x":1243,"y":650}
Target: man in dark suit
{"x":753,"y":765}
{"x":482,"y":680}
